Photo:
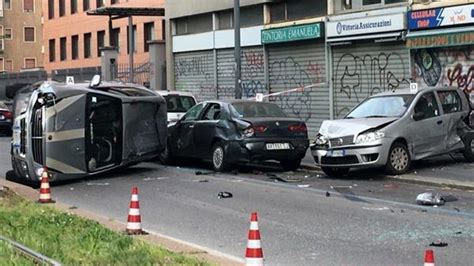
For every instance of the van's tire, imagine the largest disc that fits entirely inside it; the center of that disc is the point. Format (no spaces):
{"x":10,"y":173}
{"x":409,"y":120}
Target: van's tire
{"x":290,"y":165}
{"x":335,"y":172}
{"x":219,"y":159}
{"x":469,"y":148}
{"x":399,"y":160}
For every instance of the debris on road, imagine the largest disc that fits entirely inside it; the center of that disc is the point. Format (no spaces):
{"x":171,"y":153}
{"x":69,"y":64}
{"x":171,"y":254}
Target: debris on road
{"x":340,"y":187}
{"x":72,"y":208}
{"x":376,"y":208}
{"x":458,"y":233}
{"x":281,"y":179}
{"x":224,"y":195}
{"x":328,"y":194}
{"x":438,"y":244}
{"x":155,"y":178}
{"x":429,"y":198}
{"x":458,"y":210}
{"x":235,"y":172}
{"x":97,"y":184}
{"x":303,"y":186}
{"x":203,"y":181}
{"x":390,"y":185}
{"x":204,"y":173}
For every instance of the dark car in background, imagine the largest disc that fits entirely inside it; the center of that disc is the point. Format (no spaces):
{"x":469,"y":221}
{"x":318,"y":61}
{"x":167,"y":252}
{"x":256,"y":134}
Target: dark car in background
{"x":77,"y":130}
{"x":6,"y":119}
{"x":231,"y":132}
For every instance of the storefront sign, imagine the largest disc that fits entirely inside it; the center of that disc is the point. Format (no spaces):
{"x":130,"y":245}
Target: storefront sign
{"x":441,"y":40}
{"x":440,"y":17}
{"x":393,"y":22}
{"x":292,"y":33}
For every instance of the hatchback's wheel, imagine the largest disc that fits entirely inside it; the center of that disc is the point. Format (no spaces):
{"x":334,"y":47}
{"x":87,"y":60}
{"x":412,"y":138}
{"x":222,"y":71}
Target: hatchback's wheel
{"x":335,"y":172}
{"x":469,"y":148}
{"x":399,"y":160}
{"x":219,"y":161}
{"x":290,"y":165}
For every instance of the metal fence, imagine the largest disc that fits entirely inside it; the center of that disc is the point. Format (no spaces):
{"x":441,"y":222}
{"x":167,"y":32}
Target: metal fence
{"x":141,"y":73}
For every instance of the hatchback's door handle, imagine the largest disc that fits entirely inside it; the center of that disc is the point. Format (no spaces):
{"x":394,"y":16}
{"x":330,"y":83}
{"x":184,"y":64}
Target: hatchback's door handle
{"x":439,"y":122}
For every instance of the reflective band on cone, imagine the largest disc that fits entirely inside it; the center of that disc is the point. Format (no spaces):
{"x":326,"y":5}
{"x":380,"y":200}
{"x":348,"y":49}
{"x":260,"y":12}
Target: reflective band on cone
{"x":134,"y":226}
{"x":45,"y":192}
{"x":429,"y":258}
{"x":254,"y":252}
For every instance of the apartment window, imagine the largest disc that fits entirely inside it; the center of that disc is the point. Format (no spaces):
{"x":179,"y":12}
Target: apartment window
{"x":194,"y":24}
{"x":62,"y":49}
{"x":62,"y":8}
{"x":85,"y":5}
{"x":7,"y":35}
{"x":30,"y":63}
{"x":100,"y":41}
{"x":163,"y":29}
{"x":7,"y":4}
{"x":28,"y":5}
{"x":9,"y":65}
{"x":251,"y":16}
{"x":116,"y":38}
{"x":371,"y":2}
{"x":73,"y":6}
{"x":226,"y":19}
{"x":50,"y":9}
{"x":293,"y":10}
{"x":52,"y":50}
{"x":112,"y":2}
{"x":149,"y":34}
{"x":75,"y":47}
{"x":134,"y":40}
{"x":99,"y":3}
{"x":2,"y":65}
{"x":29,"y":34}
{"x":87,"y":45}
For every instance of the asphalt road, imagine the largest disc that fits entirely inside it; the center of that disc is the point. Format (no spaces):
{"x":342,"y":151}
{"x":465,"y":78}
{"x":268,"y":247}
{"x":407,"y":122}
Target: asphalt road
{"x":366,"y":220}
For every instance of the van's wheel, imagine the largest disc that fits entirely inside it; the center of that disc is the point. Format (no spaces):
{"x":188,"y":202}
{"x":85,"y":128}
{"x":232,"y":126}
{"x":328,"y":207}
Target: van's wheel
{"x":469,"y":148}
{"x":219,"y":160}
{"x":399,"y":160}
{"x":335,"y":172}
{"x":290,"y":165}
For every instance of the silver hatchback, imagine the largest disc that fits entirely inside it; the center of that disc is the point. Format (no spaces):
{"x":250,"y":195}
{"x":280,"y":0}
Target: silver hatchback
{"x":392,"y":129}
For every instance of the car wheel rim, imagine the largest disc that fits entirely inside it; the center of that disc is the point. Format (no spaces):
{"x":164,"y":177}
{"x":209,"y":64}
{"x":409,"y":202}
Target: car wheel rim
{"x":218,"y":157}
{"x":399,"y":159}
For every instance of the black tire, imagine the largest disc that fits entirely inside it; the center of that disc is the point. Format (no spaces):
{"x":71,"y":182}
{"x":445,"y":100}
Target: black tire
{"x":218,"y":158}
{"x":469,"y":148}
{"x":165,"y":157}
{"x":335,"y":172}
{"x":398,"y":160}
{"x":290,"y":165}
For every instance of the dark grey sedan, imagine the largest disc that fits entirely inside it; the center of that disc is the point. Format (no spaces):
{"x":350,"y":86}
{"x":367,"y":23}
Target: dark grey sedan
{"x":230,"y":132}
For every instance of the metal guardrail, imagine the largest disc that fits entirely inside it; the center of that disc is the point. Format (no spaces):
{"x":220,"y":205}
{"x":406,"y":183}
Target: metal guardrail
{"x":37,"y":257}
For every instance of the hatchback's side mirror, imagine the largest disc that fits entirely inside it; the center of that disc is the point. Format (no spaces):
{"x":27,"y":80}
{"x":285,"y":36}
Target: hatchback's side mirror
{"x":95,"y":81}
{"x":418,"y":116}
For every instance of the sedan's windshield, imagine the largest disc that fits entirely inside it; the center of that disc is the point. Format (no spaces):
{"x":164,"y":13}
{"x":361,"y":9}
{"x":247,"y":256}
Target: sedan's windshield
{"x":256,"y":109}
{"x":385,"y":106}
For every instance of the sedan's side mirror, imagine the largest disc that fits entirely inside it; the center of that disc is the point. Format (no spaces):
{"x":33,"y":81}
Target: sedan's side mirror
{"x":418,"y":116}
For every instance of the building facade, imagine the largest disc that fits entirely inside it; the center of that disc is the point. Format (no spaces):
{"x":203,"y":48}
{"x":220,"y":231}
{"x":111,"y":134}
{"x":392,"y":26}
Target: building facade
{"x":72,"y":39}
{"x":21,"y":37}
{"x":336,"y":52}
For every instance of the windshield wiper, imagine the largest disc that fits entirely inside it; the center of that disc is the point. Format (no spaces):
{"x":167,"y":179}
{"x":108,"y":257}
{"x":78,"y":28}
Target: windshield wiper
{"x":349,"y":117}
{"x":376,"y":116}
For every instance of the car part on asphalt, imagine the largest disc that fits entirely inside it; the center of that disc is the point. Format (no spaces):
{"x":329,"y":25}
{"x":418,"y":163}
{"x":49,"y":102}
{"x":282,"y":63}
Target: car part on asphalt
{"x":438,"y":244}
{"x":429,"y":198}
{"x":204,"y":173}
{"x":328,"y":194}
{"x":224,"y":195}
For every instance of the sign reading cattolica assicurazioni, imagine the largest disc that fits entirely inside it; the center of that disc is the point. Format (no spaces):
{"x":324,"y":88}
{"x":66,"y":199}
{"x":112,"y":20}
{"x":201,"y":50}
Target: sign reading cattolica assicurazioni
{"x":292,"y":33}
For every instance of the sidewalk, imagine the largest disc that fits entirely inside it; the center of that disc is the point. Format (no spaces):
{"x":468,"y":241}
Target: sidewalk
{"x":443,"y":171}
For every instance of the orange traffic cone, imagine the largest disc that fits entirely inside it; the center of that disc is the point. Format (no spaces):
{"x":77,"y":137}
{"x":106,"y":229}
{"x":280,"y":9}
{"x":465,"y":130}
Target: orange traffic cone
{"x":134,"y":226}
{"x":254,"y":253}
{"x":429,"y":258}
{"x":45,"y":193}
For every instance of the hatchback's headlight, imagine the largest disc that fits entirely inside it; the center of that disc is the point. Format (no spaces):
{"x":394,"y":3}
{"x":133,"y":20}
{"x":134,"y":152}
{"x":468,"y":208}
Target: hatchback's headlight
{"x":321,"y":140}
{"x":369,"y":137}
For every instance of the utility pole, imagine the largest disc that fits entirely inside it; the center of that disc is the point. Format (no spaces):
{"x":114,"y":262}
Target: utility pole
{"x":238,"y":88}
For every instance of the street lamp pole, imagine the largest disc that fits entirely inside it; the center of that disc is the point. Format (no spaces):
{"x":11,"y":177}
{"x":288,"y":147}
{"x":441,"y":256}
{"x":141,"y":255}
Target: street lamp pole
{"x":238,"y":88}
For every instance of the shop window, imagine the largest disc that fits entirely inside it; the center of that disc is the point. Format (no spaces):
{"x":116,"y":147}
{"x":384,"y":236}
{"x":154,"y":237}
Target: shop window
{"x":87,"y":45}
{"x":85,"y":5}
{"x":62,"y":8}
{"x":62,"y":49}
{"x":134,"y":40}
{"x":100,"y":41}
{"x":30,"y":63}
{"x":7,"y":35}
{"x":52,"y":50}
{"x":29,"y":34}
{"x":50,"y":9}
{"x":149,"y":34}
{"x":9,"y":65}
{"x":28,"y":5}
{"x":73,"y":6}
{"x":75,"y":47}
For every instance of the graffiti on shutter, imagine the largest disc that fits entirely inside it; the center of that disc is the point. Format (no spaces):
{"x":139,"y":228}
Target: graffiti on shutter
{"x":360,"y":71}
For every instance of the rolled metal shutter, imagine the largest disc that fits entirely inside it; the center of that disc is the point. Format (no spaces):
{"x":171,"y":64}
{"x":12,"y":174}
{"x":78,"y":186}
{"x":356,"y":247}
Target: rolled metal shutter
{"x":364,"y":69}
{"x":252,"y":72}
{"x":194,"y":72}
{"x":296,"y":65}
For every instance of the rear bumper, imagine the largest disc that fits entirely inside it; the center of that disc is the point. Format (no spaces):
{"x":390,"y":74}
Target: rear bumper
{"x":255,"y":150}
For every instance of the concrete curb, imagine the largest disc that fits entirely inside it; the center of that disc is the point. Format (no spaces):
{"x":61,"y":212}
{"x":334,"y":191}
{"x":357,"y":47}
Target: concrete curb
{"x":170,"y":243}
{"x":421,"y":180}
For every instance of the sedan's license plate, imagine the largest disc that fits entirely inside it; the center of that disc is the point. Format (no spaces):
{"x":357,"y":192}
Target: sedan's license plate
{"x":278,"y":146}
{"x":337,"y":153}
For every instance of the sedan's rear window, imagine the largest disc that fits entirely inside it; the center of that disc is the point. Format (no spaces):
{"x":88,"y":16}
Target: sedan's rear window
{"x":178,"y":103}
{"x":256,"y":109}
